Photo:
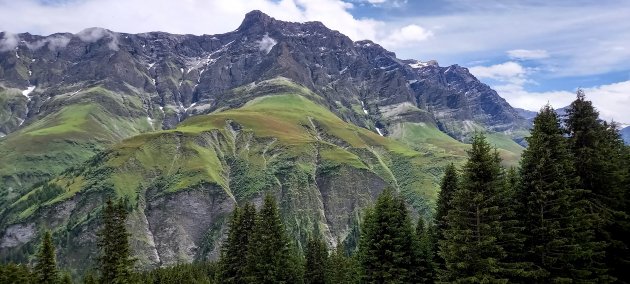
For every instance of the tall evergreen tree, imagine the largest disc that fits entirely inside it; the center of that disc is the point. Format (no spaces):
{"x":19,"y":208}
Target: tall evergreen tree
{"x":234,"y":252}
{"x":115,"y":261}
{"x":559,"y":239}
{"x":388,"y":247}
{"x":342,"y":268}
{"x":598,"y":152}
{"x":473,"y":244}
{"x":426,"y":237}
{"x":448,"y":186}
{"x":316,"y":265}
{"x":271,"y":258}
{"x":46,"y":267}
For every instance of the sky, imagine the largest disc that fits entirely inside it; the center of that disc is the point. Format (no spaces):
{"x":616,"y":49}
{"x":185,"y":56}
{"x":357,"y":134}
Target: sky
{"x":532,"y":52}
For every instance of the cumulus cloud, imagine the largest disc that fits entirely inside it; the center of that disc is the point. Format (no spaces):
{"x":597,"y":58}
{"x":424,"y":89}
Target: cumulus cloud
{"x":528,"y":54}
{"x":95,"y":34}
{"x":508,"y":72}
{"x":407,"y":35}
{"x":510,"y":80}
{"x":266,"y":43}
{"x":611,"y":100}
{"x":53,"y":42}
{"x":8,"y":41}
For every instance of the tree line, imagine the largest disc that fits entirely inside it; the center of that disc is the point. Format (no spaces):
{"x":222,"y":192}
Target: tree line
{"x":562,"y":216}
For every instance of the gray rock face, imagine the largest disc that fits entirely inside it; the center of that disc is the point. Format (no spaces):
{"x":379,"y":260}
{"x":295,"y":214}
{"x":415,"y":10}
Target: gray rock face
{"x":190,"y":74}
{"x":17,"y":234}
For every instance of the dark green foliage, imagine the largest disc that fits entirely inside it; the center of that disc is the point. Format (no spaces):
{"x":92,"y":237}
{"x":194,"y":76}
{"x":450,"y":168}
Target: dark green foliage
{"x":200,"y":273}
{"x":115,"y":261}
{"x":559,"y":238}
{"x":474,"y":240}
{"x":316,"y":264}
{"x":234,"y":251}
{"x":342,"y":268}
{"x":449,"y":185}
{"x":598,"y":152}
{"x":427,"y":245}
{"x":45,"y":269}
{"x":271,"y":258}
{"x":388,"y":248}
{"x":12,"y":273}
{"x":66,"y":278}
{"x":89,"y":278}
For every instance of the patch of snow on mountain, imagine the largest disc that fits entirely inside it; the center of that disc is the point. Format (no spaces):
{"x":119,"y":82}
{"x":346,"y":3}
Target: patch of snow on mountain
{"x":28,"y":91}
{"x":379,"y":131}
{"x":418,"y":64}
{"x":266,"y":43}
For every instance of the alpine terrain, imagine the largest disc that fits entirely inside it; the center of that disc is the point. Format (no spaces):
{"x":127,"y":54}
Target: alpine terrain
{"x":185,"y":127}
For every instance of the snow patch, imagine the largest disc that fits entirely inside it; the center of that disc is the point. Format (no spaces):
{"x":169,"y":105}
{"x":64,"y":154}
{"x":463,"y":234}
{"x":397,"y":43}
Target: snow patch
{"x":363,"y":107}
{"x":266,"y":43}
{"x":418,"y":64}
{"x":28,"y":90}
{"x":379,"y":131}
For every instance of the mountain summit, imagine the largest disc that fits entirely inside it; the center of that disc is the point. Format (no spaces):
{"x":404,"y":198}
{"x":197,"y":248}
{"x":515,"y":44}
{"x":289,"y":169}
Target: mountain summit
{"x":186,"y":127}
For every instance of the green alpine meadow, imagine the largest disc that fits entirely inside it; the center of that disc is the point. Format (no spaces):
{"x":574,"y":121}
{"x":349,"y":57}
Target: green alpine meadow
{"x":298,"y":152}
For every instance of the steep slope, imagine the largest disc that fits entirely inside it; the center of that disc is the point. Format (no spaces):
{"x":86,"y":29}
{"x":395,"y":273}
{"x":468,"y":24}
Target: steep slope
{"x":168,"y":78}
{"x":182,"y":183}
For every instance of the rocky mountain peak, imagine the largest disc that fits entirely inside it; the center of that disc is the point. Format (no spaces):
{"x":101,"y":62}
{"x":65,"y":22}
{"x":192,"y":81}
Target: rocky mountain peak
{"x":256,"y":19}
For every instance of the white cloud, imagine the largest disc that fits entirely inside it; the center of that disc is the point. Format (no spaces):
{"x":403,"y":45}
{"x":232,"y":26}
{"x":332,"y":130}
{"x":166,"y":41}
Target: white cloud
{"x":528,"y":54}
{"x":266,"y":43}
{"x":510,"y":80}
{"x":610,"y":100}
{"x":407,"y":35}
{"x":53,"y":42}
{"x":508,"y":72}
{"x":8,"y":42}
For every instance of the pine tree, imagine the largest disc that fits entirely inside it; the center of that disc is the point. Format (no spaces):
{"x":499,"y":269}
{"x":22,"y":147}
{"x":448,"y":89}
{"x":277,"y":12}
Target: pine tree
{"x":474,"y":240}
{"x":271,"y":258}
{"x":558,"y":236}
{"x":388,"y":247}
{"x":316,"y":264}
{"x":115,"y":261}
{"x":598,"y":159}
{"x":12,"y":273}
{"x":342,"y":268}
{"x":426,"y":237}
{"x":234,"y":252}
{"x":449,"y":185}
{"x":66,"y":279}
{"x":46,"y":267}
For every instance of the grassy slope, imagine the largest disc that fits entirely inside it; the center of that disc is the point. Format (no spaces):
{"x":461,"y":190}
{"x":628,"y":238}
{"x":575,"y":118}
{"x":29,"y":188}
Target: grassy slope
{"x":427,"y":138}
{"x":82,"y":127}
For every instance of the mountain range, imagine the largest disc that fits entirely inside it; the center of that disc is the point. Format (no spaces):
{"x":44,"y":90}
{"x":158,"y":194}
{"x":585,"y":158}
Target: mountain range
{"x":186,"y":127}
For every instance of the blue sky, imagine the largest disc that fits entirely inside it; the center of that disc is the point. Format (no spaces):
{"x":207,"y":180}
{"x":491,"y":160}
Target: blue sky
{"x":532,"y":51}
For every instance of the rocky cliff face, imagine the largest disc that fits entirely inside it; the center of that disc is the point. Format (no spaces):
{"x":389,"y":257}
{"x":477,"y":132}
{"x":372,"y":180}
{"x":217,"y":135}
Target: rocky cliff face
{"x":189,"y":74}
{"x":293,"y":109}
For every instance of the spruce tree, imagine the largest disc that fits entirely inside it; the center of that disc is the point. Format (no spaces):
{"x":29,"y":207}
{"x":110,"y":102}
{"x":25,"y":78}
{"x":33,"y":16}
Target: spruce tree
{"x":474,"y":240}
{"x":234,"y":252}
{"x":115,"y":261}
{"x":448,"y":186}
{"x":426,"y":237}
{"x":558,"y":234}
{"x":271,"y":258}
{"x":342,"y":268}
{"x":388,"y":247}
{"x":46,"y":267}
{"x":598,"y":159}
{"x":316,"y":265}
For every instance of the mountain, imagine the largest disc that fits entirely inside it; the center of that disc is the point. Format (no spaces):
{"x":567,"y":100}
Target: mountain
{"x":185,"y":127}
{"x":625,"y":134}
